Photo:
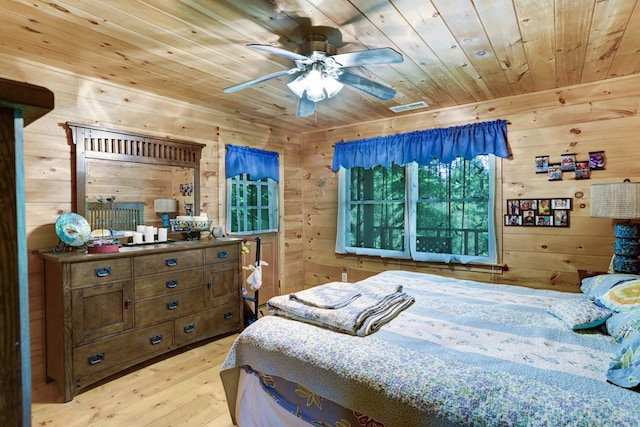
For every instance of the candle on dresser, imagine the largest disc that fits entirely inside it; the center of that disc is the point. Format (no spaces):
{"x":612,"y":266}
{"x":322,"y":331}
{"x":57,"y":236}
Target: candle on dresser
{"x":162,"y":234}
{"x":140,"y":228}
{"x":137,"y":238}
{"x":148,"y":234}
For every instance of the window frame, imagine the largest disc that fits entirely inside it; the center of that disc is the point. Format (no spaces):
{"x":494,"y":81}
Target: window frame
{"x":410,"y":223}
{"x":272,"y":190}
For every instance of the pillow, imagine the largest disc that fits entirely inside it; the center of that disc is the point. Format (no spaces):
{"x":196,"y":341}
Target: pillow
{"x":624,"y":368}
{"x":595,"y":286}
{"x":620,"y":325}
{"x":622,"y":297}
{"x":580,"y":313}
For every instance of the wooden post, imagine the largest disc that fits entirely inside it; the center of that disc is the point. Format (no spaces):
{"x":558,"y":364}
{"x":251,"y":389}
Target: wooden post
{"x":20,"y":104}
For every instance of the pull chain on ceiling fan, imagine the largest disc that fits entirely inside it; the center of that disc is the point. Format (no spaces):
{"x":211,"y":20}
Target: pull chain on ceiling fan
{"x":321,"y":72}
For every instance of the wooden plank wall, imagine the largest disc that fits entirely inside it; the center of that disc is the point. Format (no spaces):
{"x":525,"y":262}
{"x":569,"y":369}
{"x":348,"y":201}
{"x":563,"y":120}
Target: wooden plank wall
{"x":580,"y":119}
{"x":48,"y":167}
{"x":576,"y":120}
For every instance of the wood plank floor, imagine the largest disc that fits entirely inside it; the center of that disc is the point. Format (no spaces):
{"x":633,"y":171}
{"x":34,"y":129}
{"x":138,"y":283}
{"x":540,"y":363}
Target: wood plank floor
{"x":183,"y":390}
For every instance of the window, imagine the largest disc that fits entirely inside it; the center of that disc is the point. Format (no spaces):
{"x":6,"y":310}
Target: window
{"x":437,"y":212}
{"x":252,"y":206}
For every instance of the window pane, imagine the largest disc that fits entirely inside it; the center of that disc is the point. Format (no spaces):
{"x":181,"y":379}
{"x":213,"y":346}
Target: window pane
{"x":252,"y":205}
{"x":377,"y":208}
{"x":453,"y":207}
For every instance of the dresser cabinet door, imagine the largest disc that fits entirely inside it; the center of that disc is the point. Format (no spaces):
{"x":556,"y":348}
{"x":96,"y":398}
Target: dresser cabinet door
{"x":222,"y":284}
{"x":101,"y":310}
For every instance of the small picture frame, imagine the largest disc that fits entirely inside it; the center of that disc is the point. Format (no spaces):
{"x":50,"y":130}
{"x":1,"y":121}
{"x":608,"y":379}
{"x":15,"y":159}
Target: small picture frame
{"x":554,"y":172}
{"x":568,"y":162}
{"x":561,"y":218}
{"x":529,"y":218}
{"x":544,"y":207}
{"x":528,"y":204}
{"x":513,"y":207}
{"x":542,"y":164}
{"x":512,"y":220}
{"x":596,"y":160}
{"x":544,"y":220}
{"x":583,"y":171}
{"x":564,"y":204}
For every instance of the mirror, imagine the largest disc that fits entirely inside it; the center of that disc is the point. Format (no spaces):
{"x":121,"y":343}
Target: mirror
{"x":120,"y":174}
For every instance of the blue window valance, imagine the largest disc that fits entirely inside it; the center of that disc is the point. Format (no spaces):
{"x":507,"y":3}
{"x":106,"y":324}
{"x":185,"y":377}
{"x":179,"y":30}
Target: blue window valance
{"x":257,"y":163}
{"x":422,"y":146}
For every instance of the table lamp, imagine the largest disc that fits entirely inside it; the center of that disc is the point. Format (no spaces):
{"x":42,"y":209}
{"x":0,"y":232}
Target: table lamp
{"x":620,"y":200}
{"x":165,"y":207}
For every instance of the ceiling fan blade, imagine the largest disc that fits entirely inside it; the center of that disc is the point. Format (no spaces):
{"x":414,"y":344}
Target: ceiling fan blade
{"x":385,"y":55}
{"x":369,"y":86}
{"x":279,"y":51}
{"x":306,"y":107}
{"x":261,"y":79}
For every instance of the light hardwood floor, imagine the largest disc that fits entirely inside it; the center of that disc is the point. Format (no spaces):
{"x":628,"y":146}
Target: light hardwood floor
{"x":183,"y":390}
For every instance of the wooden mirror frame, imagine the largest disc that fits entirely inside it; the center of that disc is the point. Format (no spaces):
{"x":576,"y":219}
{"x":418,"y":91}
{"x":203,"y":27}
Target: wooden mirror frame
{"x":92,"y":142}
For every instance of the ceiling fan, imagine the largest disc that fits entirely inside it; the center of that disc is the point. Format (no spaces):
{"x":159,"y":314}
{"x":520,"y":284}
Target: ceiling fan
{"x":321,"y":71}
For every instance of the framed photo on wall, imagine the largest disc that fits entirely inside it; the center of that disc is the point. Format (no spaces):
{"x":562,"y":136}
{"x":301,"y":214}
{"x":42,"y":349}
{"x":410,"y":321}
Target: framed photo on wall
{"x":568,"y":162}
{"x":553,"y":212}
{"x":542,"y":164}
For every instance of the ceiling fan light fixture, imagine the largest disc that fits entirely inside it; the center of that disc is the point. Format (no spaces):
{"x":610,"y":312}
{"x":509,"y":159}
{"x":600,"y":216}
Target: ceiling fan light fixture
{"x":316,"y":83}
{"x":298,"y":85}
{"x":331,"y":86}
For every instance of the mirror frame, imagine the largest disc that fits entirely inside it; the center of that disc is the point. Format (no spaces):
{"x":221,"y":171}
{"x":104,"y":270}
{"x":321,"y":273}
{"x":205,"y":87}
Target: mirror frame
{"x":93,"y":142}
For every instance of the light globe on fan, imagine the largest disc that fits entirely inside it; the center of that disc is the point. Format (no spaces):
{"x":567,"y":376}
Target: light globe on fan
{"x":322,"y":72}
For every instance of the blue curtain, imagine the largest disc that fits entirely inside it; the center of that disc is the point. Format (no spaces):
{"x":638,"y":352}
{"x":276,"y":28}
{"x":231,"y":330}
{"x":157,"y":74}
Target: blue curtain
{"x":257,"y":163}
{"x":422,"y":146}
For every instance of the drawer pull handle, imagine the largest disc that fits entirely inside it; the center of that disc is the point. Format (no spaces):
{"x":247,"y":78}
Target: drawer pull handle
{"x":209,"y":285}
{"x":127,"y":303}
{"x":228,"y":315}
{"x":172,"y":305}
{"x":155,"y":339}
{"x":103,"y":271}
{"x":223,"y":254}
{"x":189,"y":328}
{"x":172,"y":283}
{"x":171,"y":262}
{"x":94,"y":359}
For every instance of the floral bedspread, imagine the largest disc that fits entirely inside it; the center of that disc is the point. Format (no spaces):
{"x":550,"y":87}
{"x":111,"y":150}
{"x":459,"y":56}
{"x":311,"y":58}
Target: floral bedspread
{"x":465,"y":353}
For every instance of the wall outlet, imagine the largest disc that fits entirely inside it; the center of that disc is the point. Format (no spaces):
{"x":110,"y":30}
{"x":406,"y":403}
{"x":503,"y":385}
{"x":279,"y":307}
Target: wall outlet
{"x":344,"y":276}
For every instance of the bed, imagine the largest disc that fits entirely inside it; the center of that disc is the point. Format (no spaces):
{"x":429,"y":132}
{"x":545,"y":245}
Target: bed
{"x":463,"y":353}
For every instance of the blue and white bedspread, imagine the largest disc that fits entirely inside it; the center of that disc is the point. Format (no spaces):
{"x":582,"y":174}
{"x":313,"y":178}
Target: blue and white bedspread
{"x":464,"y":353}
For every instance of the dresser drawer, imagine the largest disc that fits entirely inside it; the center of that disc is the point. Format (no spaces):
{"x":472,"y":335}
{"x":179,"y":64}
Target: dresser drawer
{"x":101,"y":271}
{"x":168,"y":307}
{"x":99,"y":359}
{"x":220,"y":254}
{"x":150,"y":264}
{"x":157,"y":285}
{"x":209,"y":323}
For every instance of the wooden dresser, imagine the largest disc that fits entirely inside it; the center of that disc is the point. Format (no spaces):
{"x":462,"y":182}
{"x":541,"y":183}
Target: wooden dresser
{"x":108,"y":312}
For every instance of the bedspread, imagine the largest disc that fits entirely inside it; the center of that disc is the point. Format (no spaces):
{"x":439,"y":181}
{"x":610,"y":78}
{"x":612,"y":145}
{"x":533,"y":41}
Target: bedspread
{"x":465,"y":353}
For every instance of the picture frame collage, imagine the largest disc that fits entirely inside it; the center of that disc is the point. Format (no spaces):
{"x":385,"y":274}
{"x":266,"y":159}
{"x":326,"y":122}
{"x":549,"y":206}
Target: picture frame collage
{"x":581,"y":169}
{"x":552,"y":212}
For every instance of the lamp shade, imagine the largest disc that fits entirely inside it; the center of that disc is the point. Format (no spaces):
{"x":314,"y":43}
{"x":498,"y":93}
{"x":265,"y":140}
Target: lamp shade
{"x":619,"y":200}
{"x":165,"y":205}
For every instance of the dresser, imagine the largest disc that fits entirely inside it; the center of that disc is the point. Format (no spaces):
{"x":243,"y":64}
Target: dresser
{"x":108,"y":312}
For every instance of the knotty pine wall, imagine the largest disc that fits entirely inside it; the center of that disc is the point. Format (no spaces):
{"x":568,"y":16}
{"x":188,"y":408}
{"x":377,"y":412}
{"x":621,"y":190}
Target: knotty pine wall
{"x":579,"y":119}
{"x":576,"y":120}
{"x":48,"y":167}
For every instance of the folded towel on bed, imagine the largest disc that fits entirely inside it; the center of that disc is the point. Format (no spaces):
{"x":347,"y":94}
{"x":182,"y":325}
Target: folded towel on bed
{"x":376,"y":305}
{"x":332,"y":295}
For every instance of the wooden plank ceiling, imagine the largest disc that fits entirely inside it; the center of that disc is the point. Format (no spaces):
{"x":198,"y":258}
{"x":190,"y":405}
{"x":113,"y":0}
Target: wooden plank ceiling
{"x":455,"y":51}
